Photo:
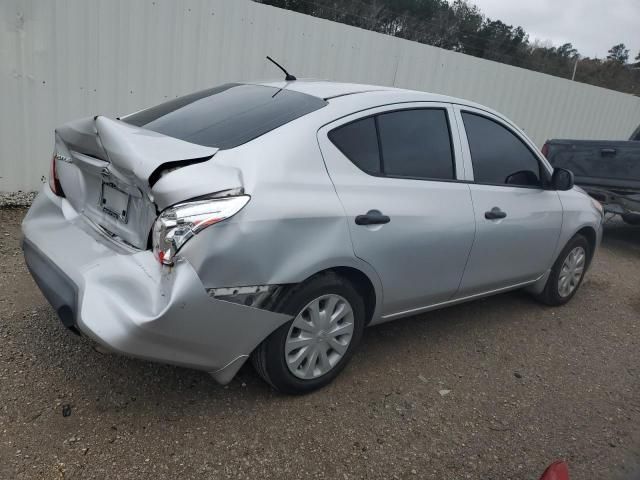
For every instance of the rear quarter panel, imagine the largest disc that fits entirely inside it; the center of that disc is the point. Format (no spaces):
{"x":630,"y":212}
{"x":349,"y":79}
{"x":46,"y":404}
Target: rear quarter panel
{"x":293,"y":227}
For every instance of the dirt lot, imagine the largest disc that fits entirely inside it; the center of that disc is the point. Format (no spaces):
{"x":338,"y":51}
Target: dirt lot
{"x":528,"y":385}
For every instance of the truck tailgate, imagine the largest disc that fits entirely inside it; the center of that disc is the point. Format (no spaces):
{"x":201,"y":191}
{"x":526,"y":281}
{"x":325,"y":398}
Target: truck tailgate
{"x":594,"y":162}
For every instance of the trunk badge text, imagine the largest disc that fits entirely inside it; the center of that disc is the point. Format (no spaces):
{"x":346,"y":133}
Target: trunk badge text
{"x":62,"y":158}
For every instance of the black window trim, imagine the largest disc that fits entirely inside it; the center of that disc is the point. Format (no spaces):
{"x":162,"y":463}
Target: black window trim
{"x":545,"y":178}
{"x":380,"y":154}
{"x":382,"y":173}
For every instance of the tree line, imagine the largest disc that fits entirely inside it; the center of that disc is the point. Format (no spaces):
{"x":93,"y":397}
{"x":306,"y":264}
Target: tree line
{"x":462,"y":27}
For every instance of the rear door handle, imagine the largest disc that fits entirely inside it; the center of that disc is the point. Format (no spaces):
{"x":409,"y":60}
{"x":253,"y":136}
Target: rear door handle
{"x":607,"y":151}
{"x":495,"y":214}
{"x":373,"y":217}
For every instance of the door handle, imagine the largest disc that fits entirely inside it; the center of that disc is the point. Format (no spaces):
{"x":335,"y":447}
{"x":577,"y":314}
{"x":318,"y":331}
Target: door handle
{"x":373,"y":217}
{"x":495,"y":214}
{"x":607,"y":151}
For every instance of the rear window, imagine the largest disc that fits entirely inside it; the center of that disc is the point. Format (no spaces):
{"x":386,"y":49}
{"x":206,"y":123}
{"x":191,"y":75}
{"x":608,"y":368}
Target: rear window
{"x":226,"y":116}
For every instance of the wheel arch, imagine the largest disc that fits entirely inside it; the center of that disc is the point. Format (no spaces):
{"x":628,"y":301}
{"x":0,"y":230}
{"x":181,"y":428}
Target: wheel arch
{"x":363,"y":285}
{"x":586,"y":231}
{"x":590,"y":234}
{"x":366,"y":283}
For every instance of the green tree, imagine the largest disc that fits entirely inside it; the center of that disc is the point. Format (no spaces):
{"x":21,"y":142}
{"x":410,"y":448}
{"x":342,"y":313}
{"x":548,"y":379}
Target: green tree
{"x":618,"y":53}
{"x":567,"y":51}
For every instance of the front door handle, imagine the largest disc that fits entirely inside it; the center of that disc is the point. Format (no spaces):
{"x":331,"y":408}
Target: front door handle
{"x":373,"y":217}
{"x":495,"y":214}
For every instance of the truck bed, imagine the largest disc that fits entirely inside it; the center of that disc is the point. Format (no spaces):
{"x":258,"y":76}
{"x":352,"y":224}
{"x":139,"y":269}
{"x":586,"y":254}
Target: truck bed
{"x":607,"y":170}
{"x":600,"y":163}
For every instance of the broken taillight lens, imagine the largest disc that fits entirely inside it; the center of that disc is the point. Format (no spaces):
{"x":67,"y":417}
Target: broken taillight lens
{"x":54,"y":181}
{"x":177,"y":224}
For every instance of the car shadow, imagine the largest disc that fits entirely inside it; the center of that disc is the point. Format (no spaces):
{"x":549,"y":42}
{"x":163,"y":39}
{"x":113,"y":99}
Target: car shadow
{"x":621,"y":236}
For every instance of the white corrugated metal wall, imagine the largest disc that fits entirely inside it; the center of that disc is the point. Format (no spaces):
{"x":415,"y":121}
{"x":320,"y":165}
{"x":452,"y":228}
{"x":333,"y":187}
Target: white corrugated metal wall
{"x":64,"y":59}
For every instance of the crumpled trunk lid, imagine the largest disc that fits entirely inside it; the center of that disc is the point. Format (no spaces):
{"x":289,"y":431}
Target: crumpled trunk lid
{"x":138,"y":153}
{"x":108,"y":168}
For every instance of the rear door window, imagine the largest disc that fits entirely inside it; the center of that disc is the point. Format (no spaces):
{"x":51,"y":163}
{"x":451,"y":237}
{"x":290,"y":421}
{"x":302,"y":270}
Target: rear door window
{"x":416,"y":144}
{"x":226,"y":116}
{"x":412,"y":143}
{"x":498,"y":156}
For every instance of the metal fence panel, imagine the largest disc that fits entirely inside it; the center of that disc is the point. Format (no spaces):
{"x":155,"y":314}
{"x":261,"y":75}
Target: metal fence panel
{"x":64,"y":59}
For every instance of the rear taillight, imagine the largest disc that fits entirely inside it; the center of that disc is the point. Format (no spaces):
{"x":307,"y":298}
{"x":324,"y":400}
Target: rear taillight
{"x":177,"y":224}
{"x":545,"y":150}
{"x":54,"y":182}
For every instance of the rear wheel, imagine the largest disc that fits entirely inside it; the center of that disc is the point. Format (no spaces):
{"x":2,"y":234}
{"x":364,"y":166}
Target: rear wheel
{"x":310,"y":350}
{"x":567,"y":272}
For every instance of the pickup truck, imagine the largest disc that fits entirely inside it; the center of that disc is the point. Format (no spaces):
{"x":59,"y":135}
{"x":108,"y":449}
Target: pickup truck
{"x":609,"y":171}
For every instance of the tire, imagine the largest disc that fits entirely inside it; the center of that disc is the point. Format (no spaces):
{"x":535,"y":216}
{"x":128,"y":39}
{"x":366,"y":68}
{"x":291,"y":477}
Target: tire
{"x":631,"y":218}
{"x":274,"y":359}
{"x":553,"y":293}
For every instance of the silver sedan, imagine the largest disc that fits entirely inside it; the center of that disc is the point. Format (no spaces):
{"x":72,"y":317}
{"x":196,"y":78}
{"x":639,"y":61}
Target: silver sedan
{"x":275,"y":221}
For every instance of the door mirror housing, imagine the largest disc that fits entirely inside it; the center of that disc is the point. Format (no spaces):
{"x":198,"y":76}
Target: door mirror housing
{"x":562,"y":179}
{"x":525,"y":178}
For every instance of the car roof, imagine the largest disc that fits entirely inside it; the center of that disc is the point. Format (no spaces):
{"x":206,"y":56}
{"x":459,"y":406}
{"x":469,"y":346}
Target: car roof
{"x":327,"y":90}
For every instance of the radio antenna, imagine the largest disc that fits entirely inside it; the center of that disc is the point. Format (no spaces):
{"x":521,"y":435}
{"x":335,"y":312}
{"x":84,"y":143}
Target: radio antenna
{"x":288,"y":77}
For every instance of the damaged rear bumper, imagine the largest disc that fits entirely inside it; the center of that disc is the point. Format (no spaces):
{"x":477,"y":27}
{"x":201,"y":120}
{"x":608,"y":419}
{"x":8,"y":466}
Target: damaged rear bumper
{"x":126,"y":301}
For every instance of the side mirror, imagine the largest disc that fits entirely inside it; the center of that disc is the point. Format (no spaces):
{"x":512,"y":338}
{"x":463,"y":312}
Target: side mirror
{"x":562,"y":179}
{"x":523,"y":178}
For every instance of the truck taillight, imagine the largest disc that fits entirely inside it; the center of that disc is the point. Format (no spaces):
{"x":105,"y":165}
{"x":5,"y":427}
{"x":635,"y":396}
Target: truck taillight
{"x":545,"y":150}
{"x":54,"y":182}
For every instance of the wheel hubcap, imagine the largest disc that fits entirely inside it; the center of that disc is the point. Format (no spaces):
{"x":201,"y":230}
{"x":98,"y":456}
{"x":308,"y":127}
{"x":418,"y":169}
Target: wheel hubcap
{"x":319,"y":336}
{"x":571,"y":272}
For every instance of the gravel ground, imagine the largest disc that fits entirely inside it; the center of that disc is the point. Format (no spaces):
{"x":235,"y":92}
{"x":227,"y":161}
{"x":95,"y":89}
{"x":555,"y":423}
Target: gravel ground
{"x":16,"y":199}
{"x":526,"y":385}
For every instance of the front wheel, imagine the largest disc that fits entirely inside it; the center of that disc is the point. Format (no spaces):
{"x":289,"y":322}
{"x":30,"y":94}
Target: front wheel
{"x":310,"y":350}
{"x":567,"y":272}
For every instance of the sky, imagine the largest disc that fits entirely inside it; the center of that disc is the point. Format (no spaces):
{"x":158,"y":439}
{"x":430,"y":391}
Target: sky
{"x":592,"y":26}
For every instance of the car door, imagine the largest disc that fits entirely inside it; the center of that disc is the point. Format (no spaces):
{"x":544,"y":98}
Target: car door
{"x":518,"y":219}
{"x":396,"y":170}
